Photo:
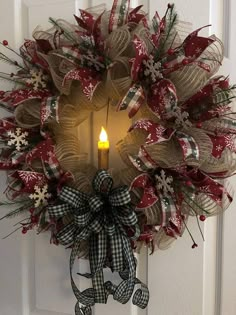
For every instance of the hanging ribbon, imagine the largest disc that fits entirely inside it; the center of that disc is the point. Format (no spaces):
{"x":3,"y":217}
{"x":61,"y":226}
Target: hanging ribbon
{"x":102,"y":220}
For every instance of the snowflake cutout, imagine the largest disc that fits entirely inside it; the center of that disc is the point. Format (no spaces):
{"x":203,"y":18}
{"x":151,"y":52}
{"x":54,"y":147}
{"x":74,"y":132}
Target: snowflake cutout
{"x":143,"y":124}
{"x":230,"y":143}
{"x":198,"y":51}
{"x":153,"y":69}
{"x":89,"y":90}
{"x":219,"y":147}
{"x":164,"y":183}
{"x":38,"y":80}
{"x":18,"y":138}
{"x":205,"y":189}
{"x":181,"y":118}
{"x":40,"y":196}
{"x":140,"y":46}
{"x":221,"y":110}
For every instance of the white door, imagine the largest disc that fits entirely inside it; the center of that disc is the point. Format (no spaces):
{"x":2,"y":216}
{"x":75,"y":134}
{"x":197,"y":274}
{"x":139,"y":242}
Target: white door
{"x":34,"y":275}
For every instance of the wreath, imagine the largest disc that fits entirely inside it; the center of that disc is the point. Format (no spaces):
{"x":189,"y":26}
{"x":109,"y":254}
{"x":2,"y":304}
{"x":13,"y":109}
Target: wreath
{"x":179,"y":148}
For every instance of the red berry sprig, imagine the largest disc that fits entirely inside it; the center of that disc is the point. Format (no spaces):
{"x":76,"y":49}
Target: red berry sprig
{"x":202,"y":218}
{"x":24,"y":230}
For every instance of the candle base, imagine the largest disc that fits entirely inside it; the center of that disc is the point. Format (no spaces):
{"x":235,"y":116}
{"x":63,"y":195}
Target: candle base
{"x":103,"y":159}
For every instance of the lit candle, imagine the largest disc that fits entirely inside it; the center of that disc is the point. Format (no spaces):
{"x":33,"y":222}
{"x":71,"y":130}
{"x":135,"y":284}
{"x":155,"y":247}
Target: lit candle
{"x":103,"y":150}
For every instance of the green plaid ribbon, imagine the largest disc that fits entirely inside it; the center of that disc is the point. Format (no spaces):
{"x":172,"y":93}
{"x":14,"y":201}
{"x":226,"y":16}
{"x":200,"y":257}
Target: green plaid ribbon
{"x":132,"y":101}
{"x":119,"y":14}
{"x":101,"y":220}
{"x":189,"y":146}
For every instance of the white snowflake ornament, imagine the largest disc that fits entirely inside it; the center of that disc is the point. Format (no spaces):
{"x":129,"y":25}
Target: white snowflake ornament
{"x":38,"y":79}
{"x":181,"y":118}
{"x":17,"y":138}
{"x":40,"y":196}
{"x":164,"y":183}
{"x":152,"y":69}
{"x":92,"y":60}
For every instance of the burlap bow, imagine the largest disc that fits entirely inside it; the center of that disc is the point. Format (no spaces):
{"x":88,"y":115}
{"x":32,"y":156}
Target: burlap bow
{"x":103,"y":220}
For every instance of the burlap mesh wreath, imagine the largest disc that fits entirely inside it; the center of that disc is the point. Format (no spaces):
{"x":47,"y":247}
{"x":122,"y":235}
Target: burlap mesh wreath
{"x":178,"y":151}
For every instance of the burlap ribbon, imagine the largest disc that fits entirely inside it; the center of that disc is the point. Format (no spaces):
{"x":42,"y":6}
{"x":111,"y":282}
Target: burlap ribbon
{"x":103,"y":220}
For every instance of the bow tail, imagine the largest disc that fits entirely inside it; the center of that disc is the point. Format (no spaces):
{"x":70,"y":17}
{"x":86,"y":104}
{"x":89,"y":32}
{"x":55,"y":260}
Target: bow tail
{"x":87,"y":296}
{"x":141,"y":295}
{"x":100,"y":291}
{"x":97,"y":257}
{"x":123,"y":292}
{"x":116,"y":247}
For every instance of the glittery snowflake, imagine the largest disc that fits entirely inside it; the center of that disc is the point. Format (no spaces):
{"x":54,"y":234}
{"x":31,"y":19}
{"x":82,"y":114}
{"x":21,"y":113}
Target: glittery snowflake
{"x":17,"y":138}
{"x":181,"y":118}
{"x":38,"y":80}
{"x":40,"y":196}
{"x":164,"y":183}
{"x":88,"y":40}
{"x":92,"y":60}
{"x":152,"y":69}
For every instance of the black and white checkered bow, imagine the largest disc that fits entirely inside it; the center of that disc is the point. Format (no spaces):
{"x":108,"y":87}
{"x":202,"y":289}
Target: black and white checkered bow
{"x":102,"y":220}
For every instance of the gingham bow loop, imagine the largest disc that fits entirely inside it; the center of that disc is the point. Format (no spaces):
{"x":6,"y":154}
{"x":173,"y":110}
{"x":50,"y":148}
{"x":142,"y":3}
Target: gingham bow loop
{"x":102,"y":219}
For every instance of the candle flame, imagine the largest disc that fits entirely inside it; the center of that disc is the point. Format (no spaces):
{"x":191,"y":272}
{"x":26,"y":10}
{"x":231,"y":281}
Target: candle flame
{"x":103,"y":135}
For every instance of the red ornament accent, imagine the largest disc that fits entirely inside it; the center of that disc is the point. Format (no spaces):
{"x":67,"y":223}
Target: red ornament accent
{"x":199,"y":125}
{"x":34,"y":219}
{"x":188,"y":183}
{"x":202,"y":217}
{"x":194,"y":245}
{"x":224,"y":84}
{"x":5,"y":42}
{"x":185,"y":62}
{"x":24,"y":230}
{"x":170,"y":51}
{"x":165,"y":65}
